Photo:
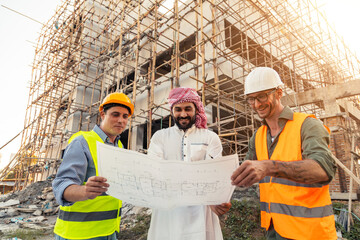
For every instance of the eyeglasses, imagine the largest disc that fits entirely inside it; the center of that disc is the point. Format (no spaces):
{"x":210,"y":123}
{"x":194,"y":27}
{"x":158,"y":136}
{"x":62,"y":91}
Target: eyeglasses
{"x":261,"y":98}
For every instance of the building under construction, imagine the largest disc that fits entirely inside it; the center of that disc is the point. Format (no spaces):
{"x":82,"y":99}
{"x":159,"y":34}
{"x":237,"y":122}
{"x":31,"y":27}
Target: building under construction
{"x":144,"y":48}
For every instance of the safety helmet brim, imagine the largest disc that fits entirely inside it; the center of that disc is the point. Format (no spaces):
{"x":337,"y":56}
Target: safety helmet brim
{"x":118,"y":98}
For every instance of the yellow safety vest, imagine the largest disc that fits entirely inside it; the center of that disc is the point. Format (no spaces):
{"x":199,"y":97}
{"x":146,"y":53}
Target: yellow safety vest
{"x":94,"y":217}
{"x":298,"y":211}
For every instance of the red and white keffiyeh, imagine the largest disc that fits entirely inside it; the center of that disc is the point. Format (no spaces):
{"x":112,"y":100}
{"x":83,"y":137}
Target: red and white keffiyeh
{"x":182,"y":94}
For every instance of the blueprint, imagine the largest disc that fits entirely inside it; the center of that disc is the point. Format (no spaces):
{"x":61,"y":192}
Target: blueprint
{"x":146,"y":181}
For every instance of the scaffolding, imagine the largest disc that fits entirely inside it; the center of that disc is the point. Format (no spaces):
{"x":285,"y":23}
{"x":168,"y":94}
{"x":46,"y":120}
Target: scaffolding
{"x":144,"y":48}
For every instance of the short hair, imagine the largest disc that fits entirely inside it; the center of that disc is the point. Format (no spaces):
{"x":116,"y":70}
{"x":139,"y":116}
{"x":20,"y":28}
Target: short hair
{"x":110,"y":105}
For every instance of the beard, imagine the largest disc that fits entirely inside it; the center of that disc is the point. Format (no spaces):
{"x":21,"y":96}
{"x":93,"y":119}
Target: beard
{"x":185,"y":126}
{"x":270,"y":109}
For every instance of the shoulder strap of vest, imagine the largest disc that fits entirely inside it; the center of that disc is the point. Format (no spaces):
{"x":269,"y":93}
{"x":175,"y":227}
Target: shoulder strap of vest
{"x":120,"y":144}
{"x":90,"y":134}
{"x":305,"y":115}
{"x":87,"y":135}
{"x":261,"y":142}
{"x":302,"y":115}
{"x":91,"y":137}
{"x":75,"y":135}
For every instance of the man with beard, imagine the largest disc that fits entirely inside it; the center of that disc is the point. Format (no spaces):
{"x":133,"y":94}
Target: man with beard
{"x":189,"y":140}
{"x":294,"y":164}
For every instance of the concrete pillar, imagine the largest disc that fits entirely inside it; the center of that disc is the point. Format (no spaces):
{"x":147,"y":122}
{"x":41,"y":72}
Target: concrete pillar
{"x":331,"y":107}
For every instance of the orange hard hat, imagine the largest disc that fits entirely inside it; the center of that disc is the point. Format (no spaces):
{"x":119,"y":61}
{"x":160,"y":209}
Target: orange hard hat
{"x":119,"y":98}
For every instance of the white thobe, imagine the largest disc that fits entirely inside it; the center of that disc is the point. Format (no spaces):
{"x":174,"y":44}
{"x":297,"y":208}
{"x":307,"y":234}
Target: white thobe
{"x":189,"y":222}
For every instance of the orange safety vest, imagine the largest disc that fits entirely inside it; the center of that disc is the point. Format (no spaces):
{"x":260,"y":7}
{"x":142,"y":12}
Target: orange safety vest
{"x":298,"y":210}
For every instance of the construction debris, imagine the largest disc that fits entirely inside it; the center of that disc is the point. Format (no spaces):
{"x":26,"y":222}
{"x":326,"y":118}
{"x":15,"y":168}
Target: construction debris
{"x":33,"y":208}
{"x":8,"y":203}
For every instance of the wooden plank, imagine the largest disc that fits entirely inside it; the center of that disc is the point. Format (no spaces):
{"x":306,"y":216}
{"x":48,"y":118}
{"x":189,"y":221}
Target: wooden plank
{"x":342,"y":196}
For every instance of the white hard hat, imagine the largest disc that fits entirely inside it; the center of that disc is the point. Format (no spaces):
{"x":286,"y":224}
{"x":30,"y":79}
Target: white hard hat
{"x":260,"y":79}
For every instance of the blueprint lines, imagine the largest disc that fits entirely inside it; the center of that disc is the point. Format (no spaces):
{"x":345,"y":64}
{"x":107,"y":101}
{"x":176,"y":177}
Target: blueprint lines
{"x":149,"y":182}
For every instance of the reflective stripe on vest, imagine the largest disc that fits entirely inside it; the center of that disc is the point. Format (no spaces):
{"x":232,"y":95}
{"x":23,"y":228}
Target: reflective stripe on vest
{"x":90,"y":218}
{"x":298,"y":211}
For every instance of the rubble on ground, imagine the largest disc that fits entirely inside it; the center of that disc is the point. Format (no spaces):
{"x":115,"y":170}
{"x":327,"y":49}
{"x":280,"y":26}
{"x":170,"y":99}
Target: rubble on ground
{"x":35,"y":208}
{"x":32,"y":208}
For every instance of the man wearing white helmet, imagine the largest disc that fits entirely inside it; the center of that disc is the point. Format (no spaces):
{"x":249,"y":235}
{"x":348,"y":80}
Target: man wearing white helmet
{"x":294,"y":164}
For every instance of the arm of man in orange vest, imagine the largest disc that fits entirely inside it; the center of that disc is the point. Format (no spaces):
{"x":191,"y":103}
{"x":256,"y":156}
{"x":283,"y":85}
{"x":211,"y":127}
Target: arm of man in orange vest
{"x":94,"y":187}
{"x":304,"y":171}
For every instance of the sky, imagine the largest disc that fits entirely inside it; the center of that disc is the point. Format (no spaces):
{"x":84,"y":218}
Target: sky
{"x":18,"y":36}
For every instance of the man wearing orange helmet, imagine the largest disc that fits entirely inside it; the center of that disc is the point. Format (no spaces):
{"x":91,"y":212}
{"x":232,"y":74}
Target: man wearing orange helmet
{"x":86,"y":212}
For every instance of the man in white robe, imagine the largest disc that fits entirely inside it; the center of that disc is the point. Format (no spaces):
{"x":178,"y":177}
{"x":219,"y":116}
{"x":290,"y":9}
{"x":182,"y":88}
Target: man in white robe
{"x":188,"y":140}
